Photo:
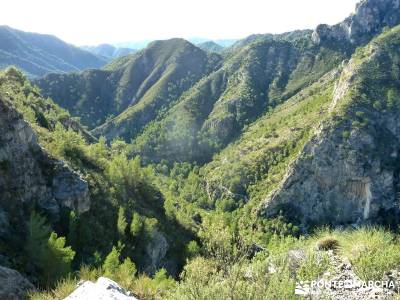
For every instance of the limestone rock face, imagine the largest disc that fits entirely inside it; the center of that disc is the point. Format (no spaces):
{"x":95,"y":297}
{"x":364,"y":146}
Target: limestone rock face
{"x":13,"y":285}
{"x":156,"y":251}
{"x":29,"y":177}
{"x":347,"y":174}
{"x":332,"y":183}
{"x":103,"y":289}
{"x":370,"y":17}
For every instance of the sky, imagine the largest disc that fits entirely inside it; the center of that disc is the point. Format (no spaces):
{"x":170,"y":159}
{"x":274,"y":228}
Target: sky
{"x":91,"y":22}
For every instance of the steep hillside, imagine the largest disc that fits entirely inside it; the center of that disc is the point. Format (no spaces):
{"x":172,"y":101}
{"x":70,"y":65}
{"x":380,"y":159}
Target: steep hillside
{"x":135,"y":89}
{"x":239,"y":178}
{"x":258,"y":73}
{"x":243,"y":175}
{"x":108,"y":51}
{"x":53,"y":179}
{"x":39,"y":54}
{"x":30,"y":178}
{"x":287,"y":36}
{"x":256,"y":167}
{"x":256,"y":162}
{"x":252,"y":80}
{"x":348,"y":173}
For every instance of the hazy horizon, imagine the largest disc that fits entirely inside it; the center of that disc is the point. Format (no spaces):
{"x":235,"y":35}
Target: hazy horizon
{"x":123,"y":21}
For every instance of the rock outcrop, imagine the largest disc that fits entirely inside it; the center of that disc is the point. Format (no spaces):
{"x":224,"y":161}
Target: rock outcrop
{"x":333,"y":184}
{"x":13,"y":286}
{"x":103,"y":289}
{"x":370,"y":17}
{"x":156,"y":251}
{"x":348,"y":173}
{"x":29,"y":178}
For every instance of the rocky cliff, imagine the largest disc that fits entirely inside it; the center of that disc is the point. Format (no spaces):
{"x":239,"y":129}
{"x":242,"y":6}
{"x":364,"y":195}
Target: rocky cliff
{"x":370,"y":17}
{"x":29,"y":178}
{"x":348,"y":172}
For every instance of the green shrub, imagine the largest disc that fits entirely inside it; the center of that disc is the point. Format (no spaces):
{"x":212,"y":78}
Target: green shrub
{"x":192,"y":249}
{"x":136,"y":225}
{"x":122,"y":224}
{"x":111,"y":263}
{"x":393,"y":99}
{"x":316,"y":264}
{"x":377,"y":105}
{"x":47,"y":252}
{"x":62,"y":289}
{"x":328,"y":243}
{"x":372,"y":251}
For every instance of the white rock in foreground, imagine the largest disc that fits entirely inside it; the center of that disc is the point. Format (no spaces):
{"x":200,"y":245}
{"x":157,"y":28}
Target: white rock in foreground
{"x":103,"y":289}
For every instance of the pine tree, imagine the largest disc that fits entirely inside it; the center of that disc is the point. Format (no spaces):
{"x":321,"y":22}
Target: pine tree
{"x":127,"y":269}
{"x":46,"y":251}
{"x":73,"y":230}
{"x":121,"y":223}
{"x":136,"y":225}
{"x":111,"y":263}
{"x":36,"y":240}
{"x":58,"y":258}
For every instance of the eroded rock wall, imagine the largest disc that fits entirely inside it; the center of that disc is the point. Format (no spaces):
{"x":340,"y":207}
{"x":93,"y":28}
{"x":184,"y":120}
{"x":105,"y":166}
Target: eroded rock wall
{"x":29,"y":178}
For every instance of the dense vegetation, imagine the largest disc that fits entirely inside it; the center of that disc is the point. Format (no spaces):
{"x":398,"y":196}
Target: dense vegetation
{"x":195,"y":143}
{"x":227,"y":253}
{"x":133,"y":90}
{"x":126,"y":212}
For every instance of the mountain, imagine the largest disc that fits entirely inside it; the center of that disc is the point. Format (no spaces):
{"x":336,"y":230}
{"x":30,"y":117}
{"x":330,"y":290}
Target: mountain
{"x":143,"y":44}
{"x":222,"y":42}
{"x":241,"y":175}
{"x":135,"y":89}
{"x":237,"y":100}
{"x":354,"y":162}
{"x":39,"y":54}
{"x":108,"y":51}
{"x":211,"y":46}
{"x":253,"y":79}
{"x":287,"y":36}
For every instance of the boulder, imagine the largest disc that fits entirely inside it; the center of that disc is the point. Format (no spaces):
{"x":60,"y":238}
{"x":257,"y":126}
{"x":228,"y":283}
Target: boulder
{"x":103,"y":289}
{"x":13,"y":286}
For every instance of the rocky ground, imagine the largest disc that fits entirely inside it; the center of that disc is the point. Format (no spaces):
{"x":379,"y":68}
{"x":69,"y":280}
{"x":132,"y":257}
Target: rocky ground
{"x":342,"y":283}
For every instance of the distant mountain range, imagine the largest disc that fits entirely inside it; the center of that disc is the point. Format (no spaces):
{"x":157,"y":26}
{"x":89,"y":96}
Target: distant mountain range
{"x":153,"y":77}
{"x":211,"y":46}
{"x":39,"y":54}
{"x":108,"y":51}
{"x":143,"y":44}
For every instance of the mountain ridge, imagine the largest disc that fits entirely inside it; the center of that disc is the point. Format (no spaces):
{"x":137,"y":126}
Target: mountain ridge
{"x":245,"y":174}
{"x":38,"y":54}
{"x":108,"y":51}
